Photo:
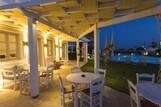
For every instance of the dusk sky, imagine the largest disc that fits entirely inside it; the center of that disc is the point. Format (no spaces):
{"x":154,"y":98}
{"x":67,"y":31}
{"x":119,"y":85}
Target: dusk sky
{"x":131,"y":34}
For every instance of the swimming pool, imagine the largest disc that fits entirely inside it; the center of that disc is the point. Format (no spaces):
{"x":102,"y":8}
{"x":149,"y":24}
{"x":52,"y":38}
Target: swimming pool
{"x":135,"y":59}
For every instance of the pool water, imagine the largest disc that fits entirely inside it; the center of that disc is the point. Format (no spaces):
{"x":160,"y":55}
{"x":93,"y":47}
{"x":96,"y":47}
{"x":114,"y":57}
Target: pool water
{"x":135,"y":59}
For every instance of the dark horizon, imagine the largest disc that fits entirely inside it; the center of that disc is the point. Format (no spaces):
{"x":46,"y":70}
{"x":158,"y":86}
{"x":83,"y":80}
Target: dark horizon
{"x":131,"y":34}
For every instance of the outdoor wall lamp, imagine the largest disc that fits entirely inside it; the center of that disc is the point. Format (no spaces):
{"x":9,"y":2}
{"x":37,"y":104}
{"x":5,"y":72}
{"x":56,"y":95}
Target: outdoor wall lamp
{"x":78,"y":54}
{"x":25,"y":43}
{"x":45,"y":45}
{"x":36,"y":21}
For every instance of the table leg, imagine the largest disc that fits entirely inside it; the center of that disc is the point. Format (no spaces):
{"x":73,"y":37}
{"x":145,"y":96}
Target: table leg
{"x":75,"y":96}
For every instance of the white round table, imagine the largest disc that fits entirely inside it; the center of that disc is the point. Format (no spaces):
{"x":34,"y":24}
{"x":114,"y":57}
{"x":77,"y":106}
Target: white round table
{"x":150,"y":91}
{"x":81,"y":78}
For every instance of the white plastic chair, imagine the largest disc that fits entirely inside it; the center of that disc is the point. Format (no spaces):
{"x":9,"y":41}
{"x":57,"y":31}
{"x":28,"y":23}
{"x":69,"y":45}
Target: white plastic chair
{"x":48,"y":75}
{"x":10,"y":74}
{"x":134,"y":97}
{"x":142,"y":78}
{"x":65,"y":92}
{"x":24,"y":80}
{"x":102,"y":72}
{"x":49,"y":61}
{"x":75,"y":69}
{"x":92,"y":96}
{"x":159,"y":77}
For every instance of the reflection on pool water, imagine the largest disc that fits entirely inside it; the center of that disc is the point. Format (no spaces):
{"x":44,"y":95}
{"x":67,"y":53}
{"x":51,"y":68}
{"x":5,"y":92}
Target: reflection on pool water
{"x":135,"y":59}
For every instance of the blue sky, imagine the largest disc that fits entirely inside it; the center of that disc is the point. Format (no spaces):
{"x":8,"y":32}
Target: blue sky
{"x":131,"y":34}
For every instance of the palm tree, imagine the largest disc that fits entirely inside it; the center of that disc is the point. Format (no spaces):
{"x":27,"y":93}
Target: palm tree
{"x":107,"y":50}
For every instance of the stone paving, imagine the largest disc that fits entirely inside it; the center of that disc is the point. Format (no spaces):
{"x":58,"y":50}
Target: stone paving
{"x":50,"y":97}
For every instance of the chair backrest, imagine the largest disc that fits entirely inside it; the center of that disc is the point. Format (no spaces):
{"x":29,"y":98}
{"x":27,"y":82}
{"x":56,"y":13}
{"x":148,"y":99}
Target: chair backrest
{"x":23,"y":73}
{"x":101,"y":72}
{"x":75,"y":69}
{"x":11,"y":68}
{"x":61,"y":84}
{"x":49,"y":61}
{"x":133,"y":91}
{"x":50,"y":69}
{"x":159,"y":77}
{"x":96,"y":86}
{"x":145,"y":77}
{"x":10,"y":71}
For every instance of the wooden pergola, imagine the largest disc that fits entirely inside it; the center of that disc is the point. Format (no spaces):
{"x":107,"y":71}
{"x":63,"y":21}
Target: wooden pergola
{"x":71,"y":20}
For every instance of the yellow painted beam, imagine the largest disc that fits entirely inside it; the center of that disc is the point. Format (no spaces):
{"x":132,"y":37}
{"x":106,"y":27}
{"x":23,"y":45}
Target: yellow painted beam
{"x":87,"y":31}
{"x":130,"y":17}
{"x":133,"y":16}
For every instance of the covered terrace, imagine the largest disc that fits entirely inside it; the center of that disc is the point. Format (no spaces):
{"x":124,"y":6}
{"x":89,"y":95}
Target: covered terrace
{"x":35,"y":32}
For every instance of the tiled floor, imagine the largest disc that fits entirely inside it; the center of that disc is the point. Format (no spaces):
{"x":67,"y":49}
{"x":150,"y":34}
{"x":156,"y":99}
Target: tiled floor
{"x":50,"y":97}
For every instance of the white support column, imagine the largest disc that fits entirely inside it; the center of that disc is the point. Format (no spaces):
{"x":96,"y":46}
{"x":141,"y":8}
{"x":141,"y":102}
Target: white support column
{"x":66,"y":51}
{"x":54,"y":49}
{"x":96,"y":48}
{"x":78,"y":53}
{"x":83,"y":51}
{"x":42,"y":52}
{"x":159,"y":22}
{"x":86,"y":52}
{"x":60,"y":49}
{"x":45,"y":48}
{"x":25,"y":44}
{"x":67,"y":57}
{"x":34,"y":77}
{"x":57,"y":48}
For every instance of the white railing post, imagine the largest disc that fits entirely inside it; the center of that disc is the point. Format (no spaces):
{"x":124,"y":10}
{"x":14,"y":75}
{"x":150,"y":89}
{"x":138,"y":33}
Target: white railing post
{"x":34,"y":77}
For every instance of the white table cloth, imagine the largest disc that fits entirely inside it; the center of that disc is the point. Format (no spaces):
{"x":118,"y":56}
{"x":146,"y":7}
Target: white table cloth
{"x":150,"y":91}
{"x":81,"y":78}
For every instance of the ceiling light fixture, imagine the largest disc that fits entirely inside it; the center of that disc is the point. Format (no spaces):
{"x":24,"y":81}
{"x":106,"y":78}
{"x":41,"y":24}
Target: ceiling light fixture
{"x":46,"y":4}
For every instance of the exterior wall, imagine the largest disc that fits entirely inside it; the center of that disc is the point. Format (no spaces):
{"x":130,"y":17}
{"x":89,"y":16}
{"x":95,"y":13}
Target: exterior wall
{"x":57,"y":55}
{"x":11,"y":30}
{"x":65,"y":50}
{"x":22,"y":45}
{"x":23,"y":54}
{"x":40,"y":50}
{"x":59,"y":47}
{"x":54,"y":50}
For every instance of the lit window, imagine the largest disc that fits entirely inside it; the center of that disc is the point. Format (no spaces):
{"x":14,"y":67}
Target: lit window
{"x":3,"y":50}
{"x":8,"y":46}
{"x":50,"y":47}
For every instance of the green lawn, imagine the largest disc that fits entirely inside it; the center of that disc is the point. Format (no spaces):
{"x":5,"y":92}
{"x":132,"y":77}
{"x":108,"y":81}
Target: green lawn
{"x":118,"y":73}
